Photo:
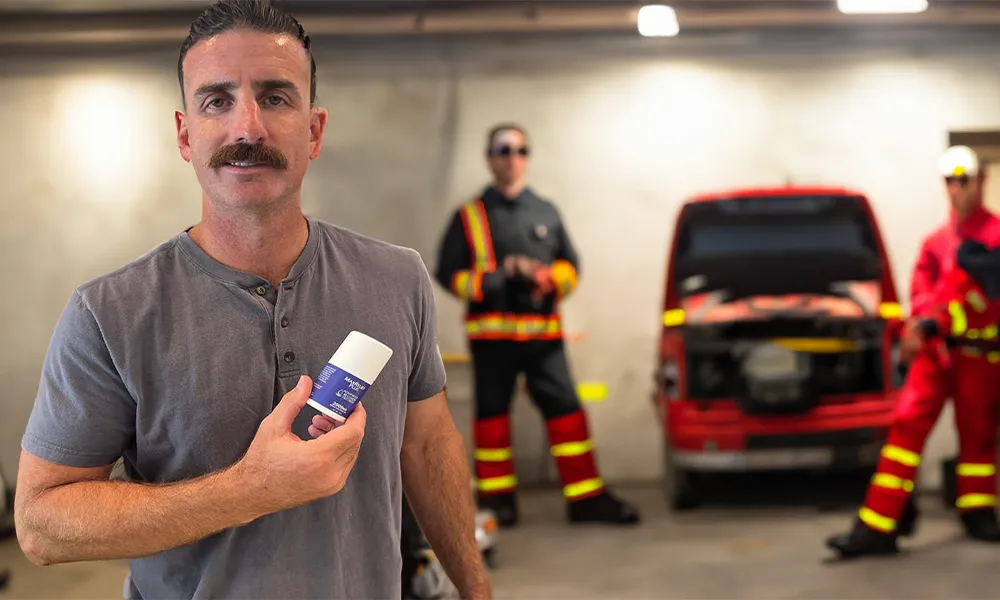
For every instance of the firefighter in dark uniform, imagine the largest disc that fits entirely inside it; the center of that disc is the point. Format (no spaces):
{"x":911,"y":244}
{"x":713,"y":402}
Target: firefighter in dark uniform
{"x":509,"y":257}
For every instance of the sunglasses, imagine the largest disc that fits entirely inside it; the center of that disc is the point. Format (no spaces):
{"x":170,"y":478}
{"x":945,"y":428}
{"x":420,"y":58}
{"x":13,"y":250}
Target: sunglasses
{"x":508,"y":151}
{"x":962,"y":180}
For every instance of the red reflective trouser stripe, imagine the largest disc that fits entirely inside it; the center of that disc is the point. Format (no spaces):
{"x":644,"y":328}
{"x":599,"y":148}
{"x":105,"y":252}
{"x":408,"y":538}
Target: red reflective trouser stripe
{"x":494,"y":458}
{"x":976,"y":392}
{"x":917,"y":410}
{"x":572,"y":448}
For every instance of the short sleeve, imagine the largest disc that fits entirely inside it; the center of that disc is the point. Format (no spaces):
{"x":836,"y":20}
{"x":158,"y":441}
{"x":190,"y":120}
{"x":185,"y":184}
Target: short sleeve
{"x":427,"y":375}
{"x":83,"y":415}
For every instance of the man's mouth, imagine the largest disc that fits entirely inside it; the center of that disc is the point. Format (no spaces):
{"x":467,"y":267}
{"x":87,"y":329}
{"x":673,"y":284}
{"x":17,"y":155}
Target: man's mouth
{"x":245,"y":164}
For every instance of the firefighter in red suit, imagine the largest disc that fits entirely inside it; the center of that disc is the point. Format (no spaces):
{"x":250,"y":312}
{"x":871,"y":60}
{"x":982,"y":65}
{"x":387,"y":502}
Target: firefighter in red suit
{"x":508,"y":256}
{"x":969,"y":219}
{"x":966,"y":312}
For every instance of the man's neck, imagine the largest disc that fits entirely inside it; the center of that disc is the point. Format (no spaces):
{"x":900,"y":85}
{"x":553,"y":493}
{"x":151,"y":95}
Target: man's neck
{"x":266,"y":245}
{"x":962,"y":217}
{"x":510,"y":190}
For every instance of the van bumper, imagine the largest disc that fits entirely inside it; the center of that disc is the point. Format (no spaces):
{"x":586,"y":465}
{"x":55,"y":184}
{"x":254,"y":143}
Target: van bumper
{"x":721,"y":438}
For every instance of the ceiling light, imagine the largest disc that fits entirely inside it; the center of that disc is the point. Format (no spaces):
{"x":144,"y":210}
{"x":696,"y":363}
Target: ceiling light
{"x":874,"y":7}
{"x":658,"y":21}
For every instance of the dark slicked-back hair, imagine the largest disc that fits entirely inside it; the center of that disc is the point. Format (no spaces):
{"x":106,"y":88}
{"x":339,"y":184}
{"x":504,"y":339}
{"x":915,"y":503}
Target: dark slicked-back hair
{"x":253,"y":15}
{"x":496,"y":130}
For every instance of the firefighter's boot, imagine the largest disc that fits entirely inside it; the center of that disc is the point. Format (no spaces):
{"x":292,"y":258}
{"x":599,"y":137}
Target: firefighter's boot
{"x":981,"y":524}
{"x":504,"y":506}
{"x":602,"y":508}
{"x":862,"y":540}
{"x":908,"y":522}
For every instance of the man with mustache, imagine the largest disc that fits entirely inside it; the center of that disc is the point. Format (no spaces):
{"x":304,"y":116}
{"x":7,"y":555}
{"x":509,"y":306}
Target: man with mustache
{"x":193,"y":365}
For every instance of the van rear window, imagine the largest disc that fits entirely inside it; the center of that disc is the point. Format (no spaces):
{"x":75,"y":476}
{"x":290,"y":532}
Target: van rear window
{"x":743,"y":226}
{"x":777,"y":245}
{"x":789,"y":235}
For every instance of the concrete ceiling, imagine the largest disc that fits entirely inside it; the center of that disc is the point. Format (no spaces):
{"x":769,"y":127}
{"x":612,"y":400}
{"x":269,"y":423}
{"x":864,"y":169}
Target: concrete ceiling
{"x":40,"y":22}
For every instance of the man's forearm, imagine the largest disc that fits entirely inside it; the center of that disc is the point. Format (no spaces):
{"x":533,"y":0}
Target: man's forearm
{"x":103,"y":520}
{"x":436,"y":479}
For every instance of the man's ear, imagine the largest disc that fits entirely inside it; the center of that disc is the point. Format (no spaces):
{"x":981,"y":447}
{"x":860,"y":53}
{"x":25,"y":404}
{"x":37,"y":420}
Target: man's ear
{"x":317,"y":129}
{"x":183,"y":142}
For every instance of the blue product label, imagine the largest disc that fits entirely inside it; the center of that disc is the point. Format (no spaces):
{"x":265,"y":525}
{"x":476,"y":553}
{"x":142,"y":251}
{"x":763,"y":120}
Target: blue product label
{"x":338,"y":390}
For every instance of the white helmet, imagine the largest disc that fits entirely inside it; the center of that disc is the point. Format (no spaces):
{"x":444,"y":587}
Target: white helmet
{"x":958,"y":161}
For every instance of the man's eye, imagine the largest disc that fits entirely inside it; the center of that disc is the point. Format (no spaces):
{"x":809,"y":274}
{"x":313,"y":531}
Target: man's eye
{"x":274,"y":100}
{"x":216,"y":103}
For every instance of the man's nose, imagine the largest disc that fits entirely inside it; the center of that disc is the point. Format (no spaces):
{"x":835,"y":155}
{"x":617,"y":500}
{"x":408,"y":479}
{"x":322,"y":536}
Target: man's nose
{"x":249,"y":123}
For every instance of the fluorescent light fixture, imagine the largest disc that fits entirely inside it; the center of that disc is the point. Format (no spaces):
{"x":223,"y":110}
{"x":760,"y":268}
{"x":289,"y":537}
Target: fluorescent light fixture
{"x":658,"y":21}
{"x":877,"y":7}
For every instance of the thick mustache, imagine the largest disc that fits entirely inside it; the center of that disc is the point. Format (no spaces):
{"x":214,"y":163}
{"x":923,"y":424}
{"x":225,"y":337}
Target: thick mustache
{"x":248,"y":153}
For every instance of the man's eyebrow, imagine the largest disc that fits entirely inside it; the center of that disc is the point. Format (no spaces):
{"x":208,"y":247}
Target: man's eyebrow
{"x":277,"y":84}
{"x":208,"y":89}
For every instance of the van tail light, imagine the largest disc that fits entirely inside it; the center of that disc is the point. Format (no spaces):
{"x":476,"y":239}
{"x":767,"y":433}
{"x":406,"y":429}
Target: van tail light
{"x":669,"y":379}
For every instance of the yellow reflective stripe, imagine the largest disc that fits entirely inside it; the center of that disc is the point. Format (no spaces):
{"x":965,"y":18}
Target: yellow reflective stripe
{"x":497,"y":483}
{"x":993,"y":357}
{"x":493,"y":454}
{"x":477,"y":230}
{"x":890,"y":310}
{"x":468,"y":285}
{"x":976,"y":470}
{"x":989,"y":332}
{"x":892,"y":482}
{"x":976,"y":301}
{"x":877,"y":521}
{"x":902,"y":456}
{"x":572,"y":448}
{"x":580,"y":488}
{"x":513,"y":326}
{"x":958,"y":321}
{"x":976,"y":501}
{"x":673,"y":317}
{"x":461,"y":284}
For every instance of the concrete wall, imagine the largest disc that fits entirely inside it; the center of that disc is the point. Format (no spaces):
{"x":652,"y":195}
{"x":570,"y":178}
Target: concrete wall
{"x":623,"y":130}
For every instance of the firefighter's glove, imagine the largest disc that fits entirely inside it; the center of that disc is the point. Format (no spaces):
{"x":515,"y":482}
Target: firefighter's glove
{"x":543,"y":285}
{"x":914,"y":334}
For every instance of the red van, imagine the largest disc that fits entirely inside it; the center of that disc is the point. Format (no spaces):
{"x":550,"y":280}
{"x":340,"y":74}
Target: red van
{"x":779,"y":348}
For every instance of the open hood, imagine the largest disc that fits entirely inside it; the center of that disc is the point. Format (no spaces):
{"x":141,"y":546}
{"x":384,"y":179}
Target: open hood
{"x":780,"y":273}
{"x":846,"y":300}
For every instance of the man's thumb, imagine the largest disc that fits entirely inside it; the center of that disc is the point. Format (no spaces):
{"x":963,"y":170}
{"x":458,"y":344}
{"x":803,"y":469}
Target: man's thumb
{"x":292,"y":402}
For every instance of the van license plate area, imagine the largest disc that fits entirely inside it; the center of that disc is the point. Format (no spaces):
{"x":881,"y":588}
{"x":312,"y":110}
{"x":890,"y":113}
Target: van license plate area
{"x":798,"y":458}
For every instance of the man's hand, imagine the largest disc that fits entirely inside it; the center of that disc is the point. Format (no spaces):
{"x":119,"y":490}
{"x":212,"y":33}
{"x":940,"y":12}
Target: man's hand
{"x":286,"y":471}
{"x":912,"y":340}
{"x":521,"y":266}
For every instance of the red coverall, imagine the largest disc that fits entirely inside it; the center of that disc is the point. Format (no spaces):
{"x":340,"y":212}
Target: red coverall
{"x":938,"y":252}
{"x":925,"y":392}
{"x":972,"y":378}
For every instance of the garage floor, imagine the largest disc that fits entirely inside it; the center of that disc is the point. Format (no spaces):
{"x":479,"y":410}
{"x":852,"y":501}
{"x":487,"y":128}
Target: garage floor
{"x":744,"y":548}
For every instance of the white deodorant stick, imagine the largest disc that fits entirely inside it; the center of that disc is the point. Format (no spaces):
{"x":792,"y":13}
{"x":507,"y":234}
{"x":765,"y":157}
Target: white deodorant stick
{"x":351,"y":371}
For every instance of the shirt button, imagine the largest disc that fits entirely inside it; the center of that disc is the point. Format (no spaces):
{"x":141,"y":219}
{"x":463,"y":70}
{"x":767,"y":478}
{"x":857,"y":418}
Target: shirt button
{"x":284,"y":321}
{"x":261,"y":290}
{"x":289,"y":357}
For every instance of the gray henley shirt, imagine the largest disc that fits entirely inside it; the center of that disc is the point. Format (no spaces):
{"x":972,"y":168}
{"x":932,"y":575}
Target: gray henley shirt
{"x":171,"y":363}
